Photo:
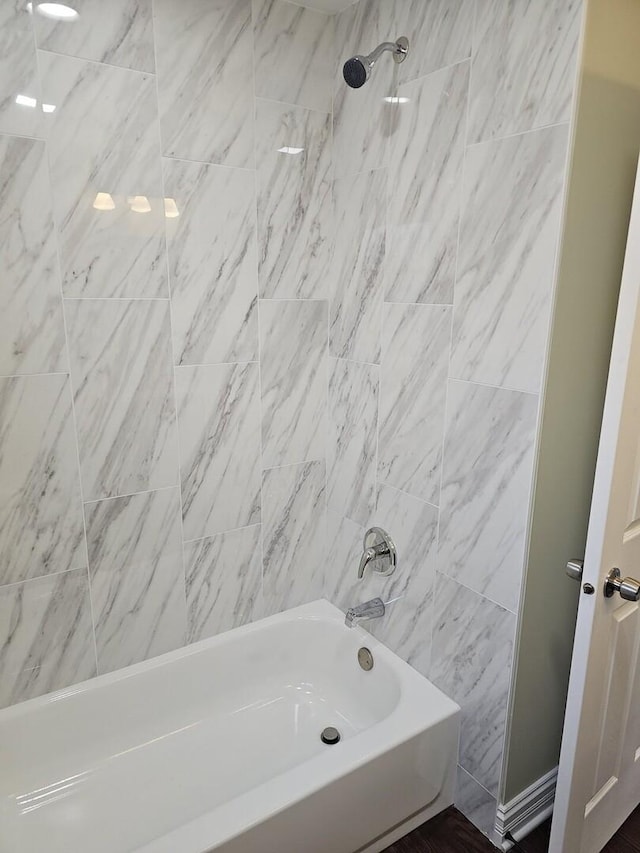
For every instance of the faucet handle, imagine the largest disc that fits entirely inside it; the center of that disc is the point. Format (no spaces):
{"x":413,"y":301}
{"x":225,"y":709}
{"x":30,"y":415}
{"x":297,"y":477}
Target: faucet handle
{"x":379,"y":553}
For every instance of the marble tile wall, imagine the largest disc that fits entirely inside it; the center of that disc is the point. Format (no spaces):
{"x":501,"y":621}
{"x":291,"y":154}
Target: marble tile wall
{"x":248,"y":312}
{"x":166,"y":233}
{"x":449,"y":174}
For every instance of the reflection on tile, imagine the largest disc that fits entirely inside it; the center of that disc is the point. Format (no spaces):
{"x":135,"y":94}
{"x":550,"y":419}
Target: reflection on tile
{"x":46,"y":640}
{"x":18,"y":72}
{"x":509,"y":95}
{"x":212,"y":263}
{"x":137,"y":579}
{"x":476,"y":804}
{"x":119,"y":32}
{"x":120,"y":355}
{"x":204,"y":50}
{"x":41,"y":528}
{"x":293,"y":344}
{"x":439,"y":34}
{"x":293,"y":50}
{"x":103,"y":138}
{"x":358,"y":266}
{"x":415,"y":353}
{"x":293,"y":533}
{"x":224,"y":582}
{"x":219,"y":420}
{"x":472,"y":653}
{"x":361,"y":117}
{"x":31,"y":323}
{"x":488,"y":463}
{"x":352,"y":439}
{"x":294,"y":199}
{"x":426,"y":174}
{"x":508,"y":236}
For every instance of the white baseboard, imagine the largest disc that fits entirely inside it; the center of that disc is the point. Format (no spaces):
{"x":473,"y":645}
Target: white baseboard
{"x":529,"y":809}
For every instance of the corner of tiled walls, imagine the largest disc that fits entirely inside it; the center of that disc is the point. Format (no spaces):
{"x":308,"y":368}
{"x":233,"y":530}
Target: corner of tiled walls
{"x":448,"y":200}
{"x":163,"y":377}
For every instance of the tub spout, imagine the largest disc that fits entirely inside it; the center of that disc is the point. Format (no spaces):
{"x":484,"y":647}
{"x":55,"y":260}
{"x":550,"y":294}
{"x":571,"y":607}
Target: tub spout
{"x":362,"y":612}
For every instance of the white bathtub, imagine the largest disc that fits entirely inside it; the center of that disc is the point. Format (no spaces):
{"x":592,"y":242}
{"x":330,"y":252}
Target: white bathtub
{"x":217,"y":747}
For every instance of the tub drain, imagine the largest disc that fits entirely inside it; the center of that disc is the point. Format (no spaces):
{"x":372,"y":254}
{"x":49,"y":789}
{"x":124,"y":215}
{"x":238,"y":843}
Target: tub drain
{"x":330,"y":735}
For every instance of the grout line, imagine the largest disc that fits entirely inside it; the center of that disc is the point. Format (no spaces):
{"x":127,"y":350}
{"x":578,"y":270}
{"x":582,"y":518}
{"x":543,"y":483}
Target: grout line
{"x":131,"y":494}
{"x":495,"y":387}
{"x":291,"y":103}
{"x":215,"y":364}
{"x":475,"y":592}
{"x":96,"y":61}
{"x":194,"y":162}
{"x":221,"y":533}
{"x":74,"y":418}
{"x":408,"y":494}
{"x":116,"y":298}
{"x":24,"y":581}
{"x":34,"y":375}
{"x":293,"y":464}
{"x":187,"y":626}
{"x":518,"y":133}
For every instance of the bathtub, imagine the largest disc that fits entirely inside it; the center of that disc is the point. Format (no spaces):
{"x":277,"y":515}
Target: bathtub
{"x":217,"y":747}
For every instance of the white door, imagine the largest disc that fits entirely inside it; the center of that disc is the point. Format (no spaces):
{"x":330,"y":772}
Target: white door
{"x":599,"y":775}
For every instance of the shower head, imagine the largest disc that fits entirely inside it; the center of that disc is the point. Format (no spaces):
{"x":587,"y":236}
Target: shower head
{"x":356,"y":71}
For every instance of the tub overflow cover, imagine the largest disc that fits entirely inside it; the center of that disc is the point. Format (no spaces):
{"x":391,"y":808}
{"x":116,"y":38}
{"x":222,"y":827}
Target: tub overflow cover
{"x":330,"y":735}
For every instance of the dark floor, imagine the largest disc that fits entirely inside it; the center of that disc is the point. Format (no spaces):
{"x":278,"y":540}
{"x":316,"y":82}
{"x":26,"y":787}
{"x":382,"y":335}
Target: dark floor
{"x":451,"y":832}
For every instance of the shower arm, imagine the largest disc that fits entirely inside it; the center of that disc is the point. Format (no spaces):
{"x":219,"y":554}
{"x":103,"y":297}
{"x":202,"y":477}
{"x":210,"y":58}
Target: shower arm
{"x":394,"y":47}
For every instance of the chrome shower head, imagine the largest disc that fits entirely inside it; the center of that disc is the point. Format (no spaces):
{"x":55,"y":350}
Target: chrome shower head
{"x":357,"y":70}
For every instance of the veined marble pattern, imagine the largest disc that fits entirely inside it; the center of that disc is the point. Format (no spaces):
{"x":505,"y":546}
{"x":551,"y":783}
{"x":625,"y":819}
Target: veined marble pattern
{"x":412,"y":398}
{"x":357,"y":277}
{"x":361,"y":117}
{"x":439,"y":33}
{"x":510,"y":226}
{"x":219,"y":421}
{"x":523,"y":65}
{"x":224,"y":582}
{"x":204,"y":50}
{"x":41,"y":529}
{"x":119,"y":32}
{"x":293,"y":531}
{"x":294,"y":199}
{"x":18,"y":71}
{"x":137,"y":578}
{"x":31,"y":322}
{"x":476,"y":804}
{"x":486,"y":483}
{"x":293,"y":54}
{"x":121,"y":368}
{"x":472,"y":653}
{"x":425,"y":179}
{"x":46,"y":638}
{"x":212,"y":263}
{"x":339,"y":568}
{"x":103,"y":138}
{"x":352,"y":439}
{"x":293,"y":367}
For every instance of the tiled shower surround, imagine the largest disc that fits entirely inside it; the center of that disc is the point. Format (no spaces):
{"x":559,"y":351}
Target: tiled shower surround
{"x":246,"y":312}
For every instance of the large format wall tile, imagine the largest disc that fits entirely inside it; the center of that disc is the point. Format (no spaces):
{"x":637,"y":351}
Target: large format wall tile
{"x":439,"y":33}
{"x":523,"y":66}
{"x":120,"y":355}
{"x":224,"y":582}
{"x":475,"y":803}
{"x":293,"y":345}
{"x":352,"y":439}
{"x":18,"y":72}
{"x":212,"y":263}
{"x":294,"y":200}
{"x":412,"y":398}
{"x":137,"y":578}
{"x":357,"y":275}
{"x":204,"y":50}
{"x":488,"y":463}
{"x":219,"y":420}
{"x":510,"y":225}
{"x":46,"y":637}
{"x":361,"y":117}
{"x":119,"y":32}
{"x":293,"y":534}
{"x":471,"y":662}
{"x":103,"y":138}
{"x":31,"y":322}
{"x":293,"y":54}
{"x":41,"y":528}
{"x":425,"y":176}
